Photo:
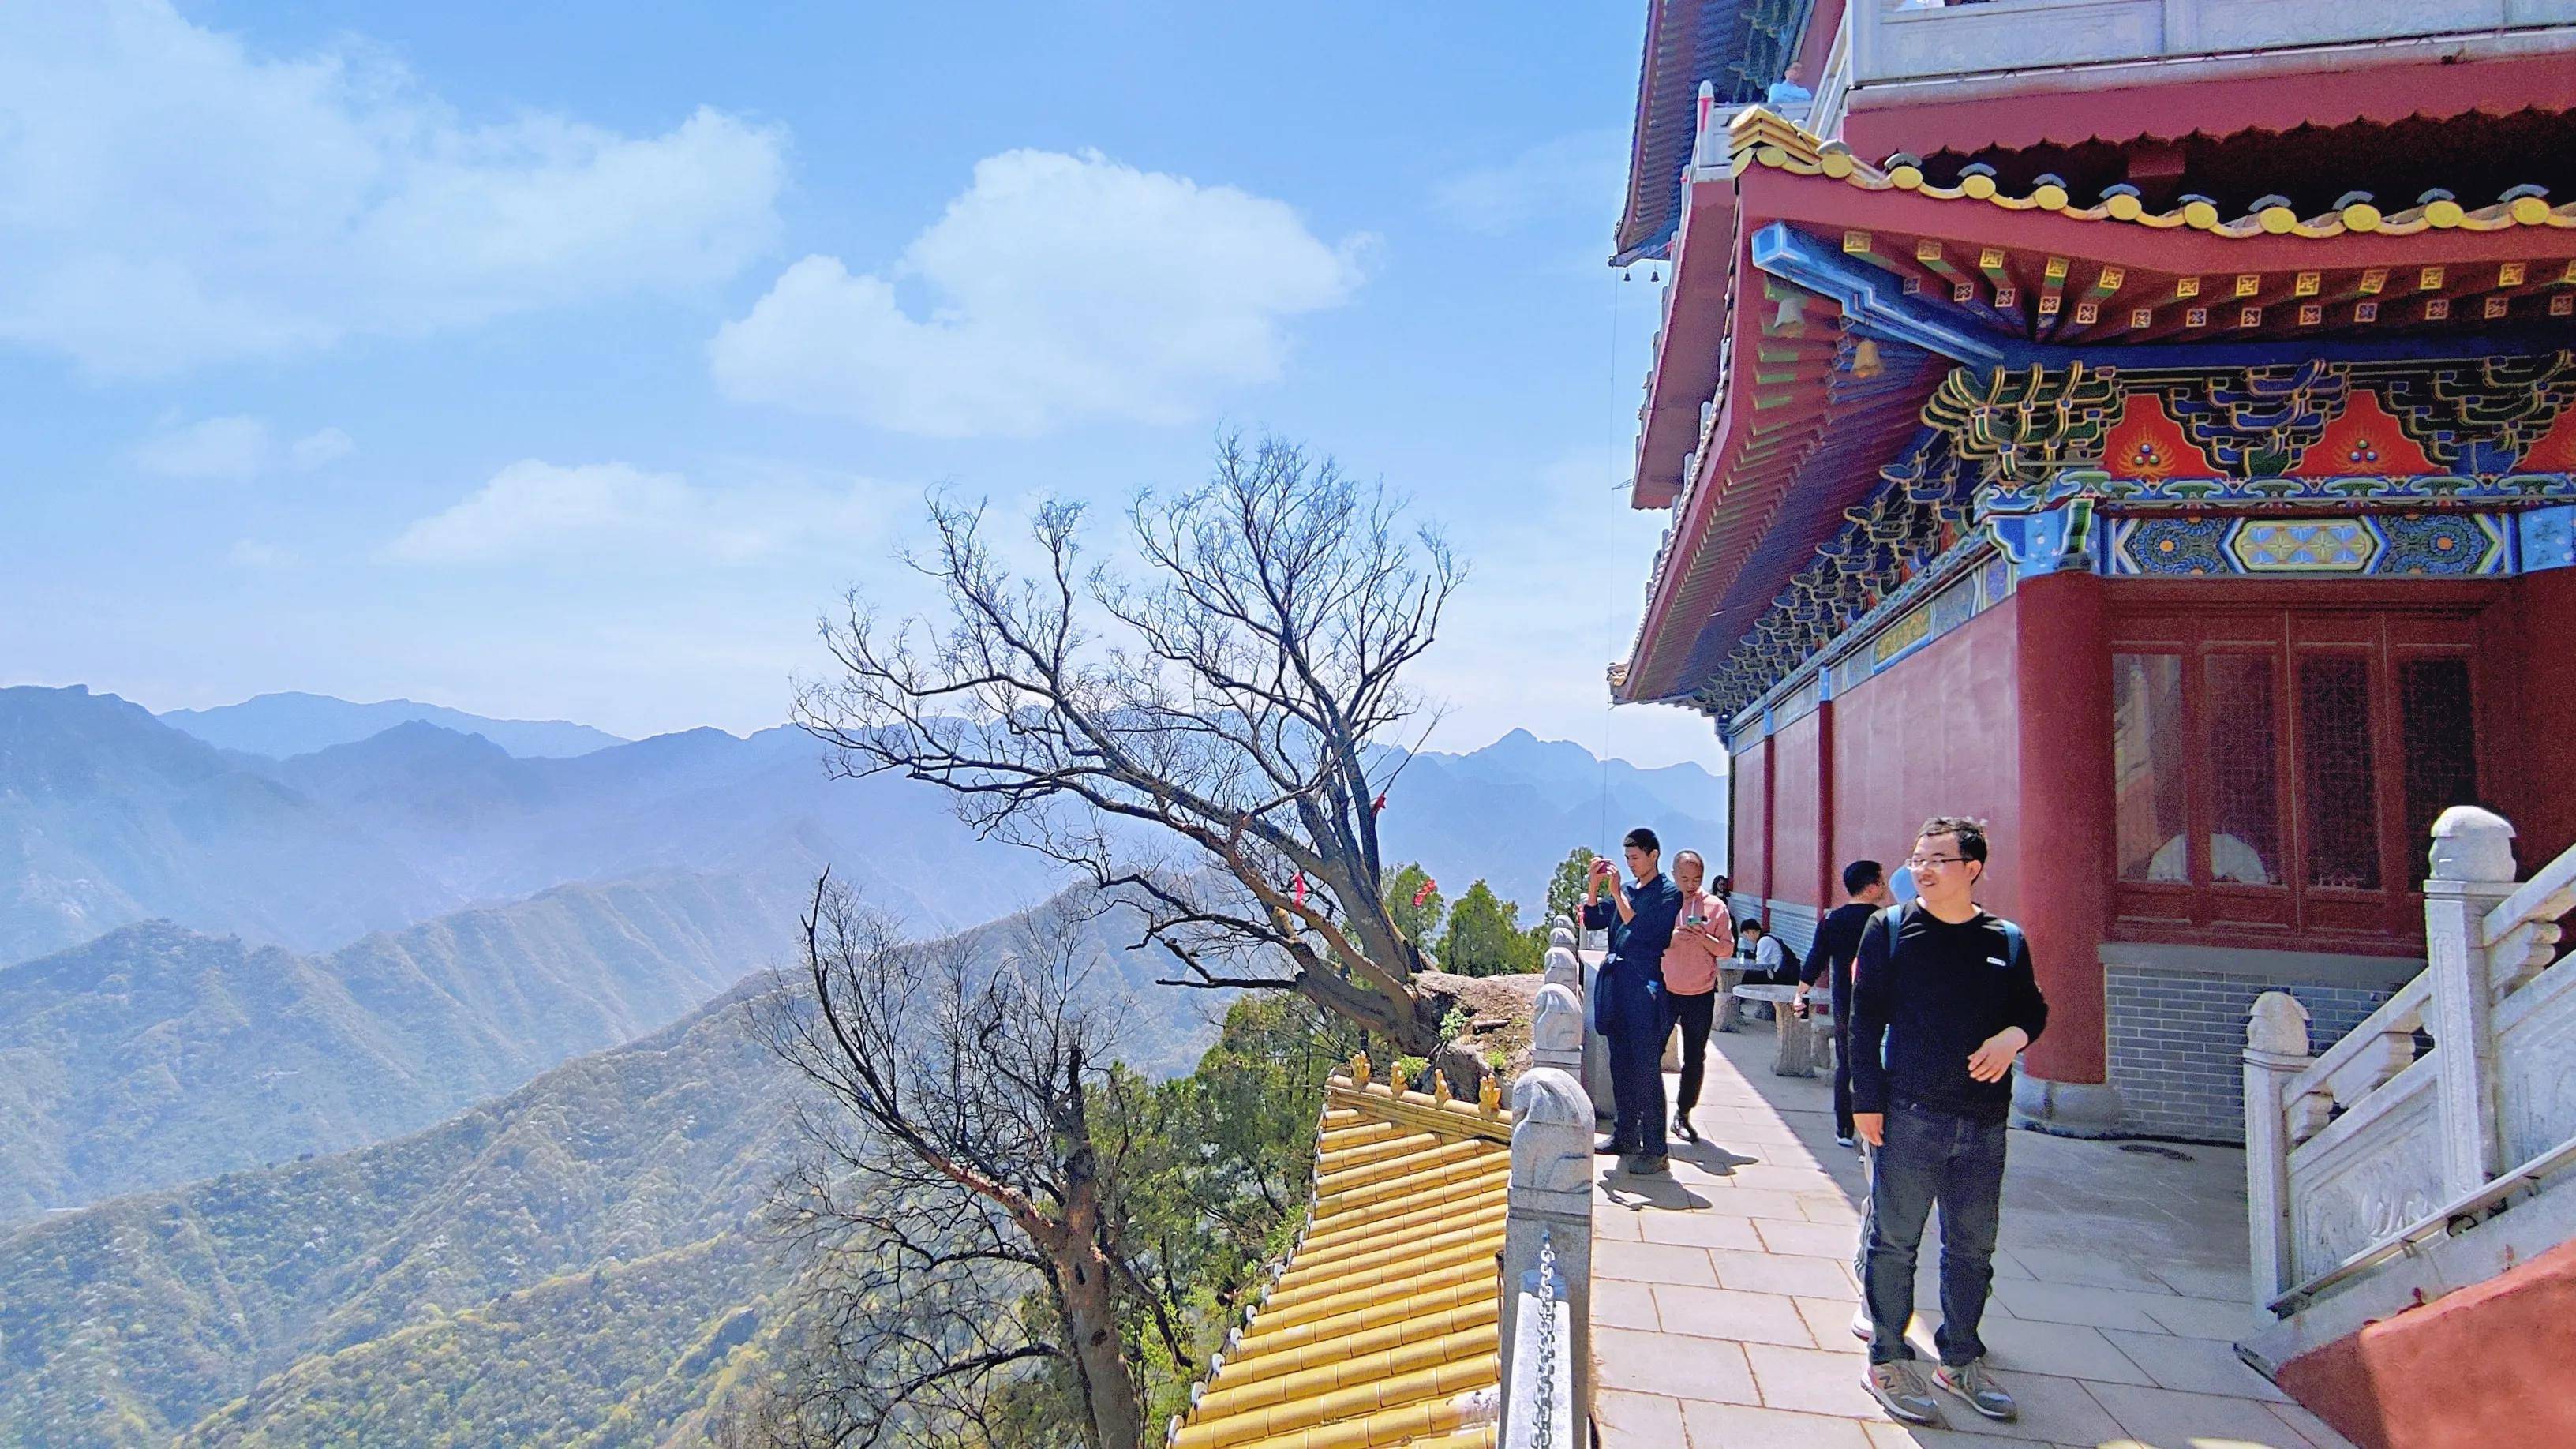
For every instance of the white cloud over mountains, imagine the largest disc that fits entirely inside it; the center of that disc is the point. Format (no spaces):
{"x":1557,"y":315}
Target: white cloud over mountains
{"x":535,"y":510}
{"x":235,"y":448}
{"x":1063,"y":288}
{"x":168,"y":197}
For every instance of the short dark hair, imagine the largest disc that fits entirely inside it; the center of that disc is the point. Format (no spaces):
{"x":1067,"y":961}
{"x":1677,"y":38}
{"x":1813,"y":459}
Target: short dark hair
{"x":1860,"y":875}
{"x":1643,"y":839}
{"x":1751,"y":923}
{"x":1971,"y":834}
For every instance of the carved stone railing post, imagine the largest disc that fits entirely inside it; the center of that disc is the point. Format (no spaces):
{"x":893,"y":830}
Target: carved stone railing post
{"x":2276,"y":1049}
{"x":1570,"y":971}
{"x":1556,"y":1029}
{"x":2472,"y":873}
{"x":1550,"y":1204}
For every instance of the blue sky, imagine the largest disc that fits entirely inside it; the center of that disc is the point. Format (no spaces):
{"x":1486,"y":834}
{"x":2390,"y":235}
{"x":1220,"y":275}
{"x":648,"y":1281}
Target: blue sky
{"x":566,"y":360}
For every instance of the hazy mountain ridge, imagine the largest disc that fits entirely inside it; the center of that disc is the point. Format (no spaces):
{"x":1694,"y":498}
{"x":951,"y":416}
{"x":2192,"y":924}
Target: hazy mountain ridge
{"x":1509,"y":812}
{"x":108,"y":816}
{"x":295,"y":723}
{"x":155,"y":1055}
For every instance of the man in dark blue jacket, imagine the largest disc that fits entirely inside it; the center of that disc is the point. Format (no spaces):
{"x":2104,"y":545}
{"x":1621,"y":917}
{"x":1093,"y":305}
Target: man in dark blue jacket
{"x":1628,"y":995}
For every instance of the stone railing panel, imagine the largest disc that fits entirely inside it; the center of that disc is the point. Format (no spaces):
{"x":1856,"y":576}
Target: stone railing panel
{"x":2369,"y":1174}
{"x":2536,"y":1065}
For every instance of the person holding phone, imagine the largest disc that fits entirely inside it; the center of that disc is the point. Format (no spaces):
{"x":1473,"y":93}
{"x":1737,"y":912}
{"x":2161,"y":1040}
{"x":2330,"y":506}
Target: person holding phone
{"x":1628,"y":996}
{"x":1704,"y":935}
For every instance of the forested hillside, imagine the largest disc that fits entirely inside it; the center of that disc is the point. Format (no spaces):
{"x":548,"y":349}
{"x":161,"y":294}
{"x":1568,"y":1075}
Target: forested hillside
{"x":156,"y":1055}
{"x":125,"y":1323}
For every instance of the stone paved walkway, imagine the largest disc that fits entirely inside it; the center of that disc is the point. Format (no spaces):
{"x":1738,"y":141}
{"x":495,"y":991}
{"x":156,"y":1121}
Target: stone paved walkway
{"x":1723,"y":1296}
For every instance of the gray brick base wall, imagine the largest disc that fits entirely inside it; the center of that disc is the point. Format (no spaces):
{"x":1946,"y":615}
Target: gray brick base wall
{"x":2177,"y":1042}
{"x":1794,"y":924}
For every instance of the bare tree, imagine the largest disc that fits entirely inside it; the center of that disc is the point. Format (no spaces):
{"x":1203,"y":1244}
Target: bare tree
{"x":1209,"y":741}
{"x":968,"y":1267}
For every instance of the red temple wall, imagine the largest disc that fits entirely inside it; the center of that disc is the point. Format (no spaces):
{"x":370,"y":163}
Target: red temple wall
{"x":1797,"y":827}
{"x":1749,"y":837}
{"x":1932,"y":736}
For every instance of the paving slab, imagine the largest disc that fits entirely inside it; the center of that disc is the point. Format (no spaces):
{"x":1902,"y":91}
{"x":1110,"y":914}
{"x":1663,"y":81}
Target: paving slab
{"x":1724,"y":1294}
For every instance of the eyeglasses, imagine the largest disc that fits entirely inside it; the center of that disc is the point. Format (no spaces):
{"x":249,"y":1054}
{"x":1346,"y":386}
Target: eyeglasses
{"x":1920,"y":862}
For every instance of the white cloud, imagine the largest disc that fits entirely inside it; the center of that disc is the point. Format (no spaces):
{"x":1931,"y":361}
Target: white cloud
{"x":320,"y":449}
{"x":1064,"y":288}
{"x":235,"y":448}
{"x":170,"y":197}
{"x":535,"y":509}
{"x":252,"y":553}
{"x":215,"y":448}
{"x":1577,"y":175}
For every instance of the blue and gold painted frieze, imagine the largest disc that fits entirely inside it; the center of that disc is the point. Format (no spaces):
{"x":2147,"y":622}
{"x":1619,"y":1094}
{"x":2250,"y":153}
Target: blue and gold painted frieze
{"x":2399,"y":545}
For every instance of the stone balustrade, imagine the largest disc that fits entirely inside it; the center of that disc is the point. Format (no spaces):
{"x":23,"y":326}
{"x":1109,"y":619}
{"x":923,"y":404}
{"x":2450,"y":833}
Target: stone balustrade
{"x":1546,"y":1267}
{"x":2377,"y":1142}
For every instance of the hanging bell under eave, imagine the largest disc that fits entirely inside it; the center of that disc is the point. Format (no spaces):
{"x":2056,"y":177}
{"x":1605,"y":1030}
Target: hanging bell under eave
{"x":1865,"y":358}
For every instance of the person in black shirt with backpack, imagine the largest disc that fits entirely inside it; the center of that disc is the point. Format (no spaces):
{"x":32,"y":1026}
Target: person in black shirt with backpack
{"x":1943,"y":1002}
{"x":1837,"y":946}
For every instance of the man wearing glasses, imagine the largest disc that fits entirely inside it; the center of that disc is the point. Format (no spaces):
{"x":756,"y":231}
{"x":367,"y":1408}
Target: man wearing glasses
{"x":1943,"y":1002}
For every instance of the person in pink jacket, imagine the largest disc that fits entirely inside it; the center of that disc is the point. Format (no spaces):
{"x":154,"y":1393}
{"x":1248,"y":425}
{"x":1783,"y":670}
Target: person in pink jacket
{"x":1703,"y":936}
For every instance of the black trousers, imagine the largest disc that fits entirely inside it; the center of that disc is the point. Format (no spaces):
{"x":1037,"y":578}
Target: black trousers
{"x":1842,"y":1058}
{"x":1692,"y":1014}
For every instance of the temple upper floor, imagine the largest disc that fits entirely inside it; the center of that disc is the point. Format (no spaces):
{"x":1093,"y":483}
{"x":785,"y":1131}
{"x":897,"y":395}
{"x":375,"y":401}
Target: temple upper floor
{"x":1983,"y":79}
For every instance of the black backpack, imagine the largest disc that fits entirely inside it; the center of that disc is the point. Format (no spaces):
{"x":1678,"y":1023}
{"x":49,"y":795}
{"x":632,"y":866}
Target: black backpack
{"x":1789,"y":963}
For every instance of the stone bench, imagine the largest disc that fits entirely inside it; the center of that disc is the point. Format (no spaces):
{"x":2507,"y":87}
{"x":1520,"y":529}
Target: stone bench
{"x":1804,"y":1044}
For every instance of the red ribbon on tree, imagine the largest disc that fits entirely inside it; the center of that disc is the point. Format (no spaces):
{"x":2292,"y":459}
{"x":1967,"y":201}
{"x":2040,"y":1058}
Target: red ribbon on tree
{"x":1428,"y":886}
{"x":1297,"y":888}
{"x":1378,"y":806}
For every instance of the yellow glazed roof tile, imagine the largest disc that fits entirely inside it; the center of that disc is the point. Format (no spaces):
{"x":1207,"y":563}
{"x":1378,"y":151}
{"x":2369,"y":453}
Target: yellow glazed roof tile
{"x":1380,"y":1328}
{"x":1759,"y":138}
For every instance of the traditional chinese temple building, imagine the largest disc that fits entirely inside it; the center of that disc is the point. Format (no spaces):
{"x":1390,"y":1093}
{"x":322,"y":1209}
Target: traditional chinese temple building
{"x":2149,"y":425}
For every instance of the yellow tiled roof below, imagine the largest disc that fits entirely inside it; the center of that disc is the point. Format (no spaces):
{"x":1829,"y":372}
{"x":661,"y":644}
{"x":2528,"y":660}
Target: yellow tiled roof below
{"x":1381,"y":1330}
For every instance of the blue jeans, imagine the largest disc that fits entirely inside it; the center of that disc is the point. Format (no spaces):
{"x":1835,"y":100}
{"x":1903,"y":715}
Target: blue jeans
{"x":1933,"y":1157}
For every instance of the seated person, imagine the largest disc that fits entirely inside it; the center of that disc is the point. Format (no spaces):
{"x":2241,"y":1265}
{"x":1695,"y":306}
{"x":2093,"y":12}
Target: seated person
{"x":1764,"y":959}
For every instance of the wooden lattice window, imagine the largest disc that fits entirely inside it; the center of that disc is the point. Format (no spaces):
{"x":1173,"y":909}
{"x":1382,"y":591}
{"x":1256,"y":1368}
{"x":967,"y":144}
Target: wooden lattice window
{"x":2275,"y":770}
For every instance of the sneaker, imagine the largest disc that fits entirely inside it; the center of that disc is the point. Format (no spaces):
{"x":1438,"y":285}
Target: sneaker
{"x":1853,"y":1142}
{"x":1612,"y":1147}
{"x":1973,"y":1383}
{"x":1862,"y":1328}
{"x":1683,"y":1129}
{"x":1899,"y":1389}
{"x":1642,"y":1165}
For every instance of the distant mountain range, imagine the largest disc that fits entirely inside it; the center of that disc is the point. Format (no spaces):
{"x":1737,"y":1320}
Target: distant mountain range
{"x":285,"y":725}
{"x":109,"y":816}
{"x":1510,"y":811}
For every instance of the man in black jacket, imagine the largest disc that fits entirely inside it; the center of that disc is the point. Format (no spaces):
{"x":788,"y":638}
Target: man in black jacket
{"x":1837,"y":946}
{"x":1943,"y":1002}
